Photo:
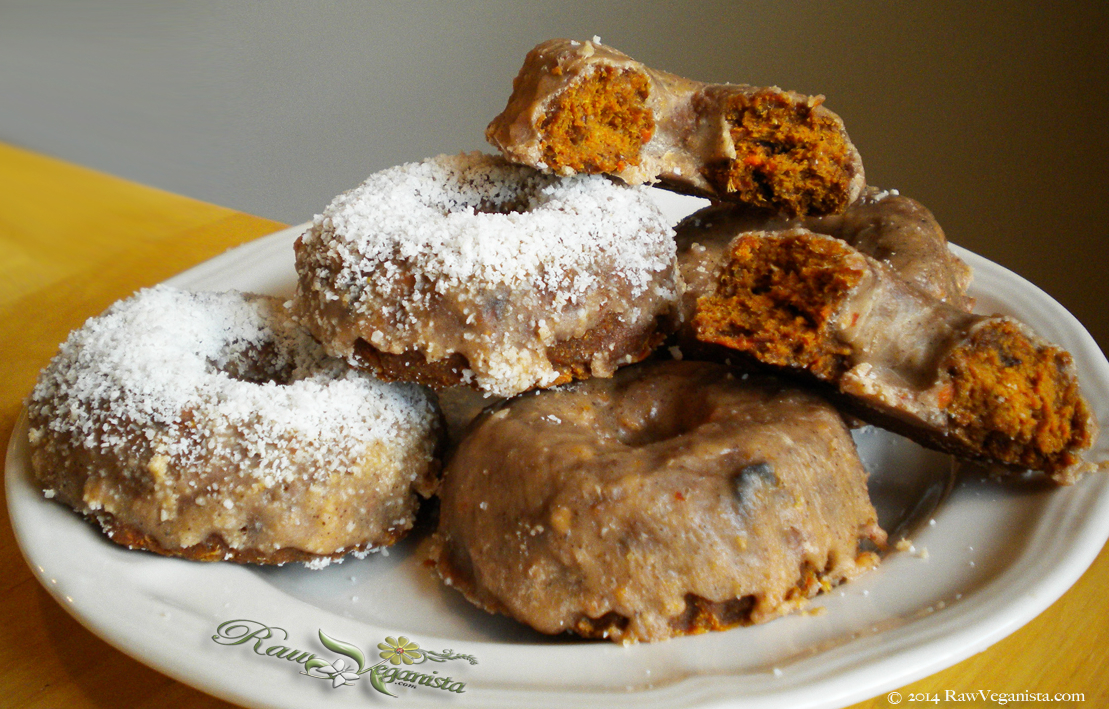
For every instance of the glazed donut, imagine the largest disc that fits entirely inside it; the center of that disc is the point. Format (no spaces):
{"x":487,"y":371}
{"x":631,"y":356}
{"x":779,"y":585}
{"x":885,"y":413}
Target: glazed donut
{"x":672,"y":499}
{"x":903,"y":234}
{"x":210,"y":426}
{"x":983,"y":387}
{"x":885,"y":225}
{"x":465,"y":269}
{"x":582,"y":107}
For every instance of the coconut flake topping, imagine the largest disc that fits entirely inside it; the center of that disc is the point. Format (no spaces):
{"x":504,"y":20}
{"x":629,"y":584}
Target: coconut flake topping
{"x":220,"y":375}
{"x":519,"y":259}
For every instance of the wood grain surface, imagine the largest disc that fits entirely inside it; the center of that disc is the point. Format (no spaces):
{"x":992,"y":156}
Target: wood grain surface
{"x":72,"y":241}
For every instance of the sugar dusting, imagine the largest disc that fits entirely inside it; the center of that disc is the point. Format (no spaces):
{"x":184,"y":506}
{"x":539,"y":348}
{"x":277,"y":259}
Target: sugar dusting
{"x":178,"y":374}
{"x":519,"y":258}
{"x":443,"y":215}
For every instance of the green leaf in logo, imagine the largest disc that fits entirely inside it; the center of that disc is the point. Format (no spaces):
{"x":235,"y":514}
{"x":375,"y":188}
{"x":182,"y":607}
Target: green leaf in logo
{"x":377,"y":682}
{"x":313,"y":664}
{"x":344,"y":649}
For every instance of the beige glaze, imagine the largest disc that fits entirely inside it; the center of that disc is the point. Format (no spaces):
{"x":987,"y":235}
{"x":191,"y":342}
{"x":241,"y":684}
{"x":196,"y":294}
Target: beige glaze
{"x":892,"y":228}
{"x":979,"y":386}
{"x":899,"y":337}
{"x":902,"y":233}
{"x":690,"y":130}
{"x":626,"y":498}
{"x":897,"y":333}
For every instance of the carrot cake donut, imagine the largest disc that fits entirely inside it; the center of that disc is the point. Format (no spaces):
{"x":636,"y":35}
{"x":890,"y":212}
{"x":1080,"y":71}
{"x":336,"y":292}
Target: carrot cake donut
{"x":978,"y":386}
{"x":583,"y":107}
{"x":883,"y":224}
{"x":674,"y":498}
{"x":466,"y":269}
{"x":210,"y":426}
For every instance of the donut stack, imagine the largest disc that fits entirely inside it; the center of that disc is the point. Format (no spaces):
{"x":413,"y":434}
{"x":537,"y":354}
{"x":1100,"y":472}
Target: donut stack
{"x":653,"y":444}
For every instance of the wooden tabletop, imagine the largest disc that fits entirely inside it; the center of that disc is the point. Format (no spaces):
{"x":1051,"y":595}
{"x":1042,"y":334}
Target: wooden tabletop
{"x":72,"y":241}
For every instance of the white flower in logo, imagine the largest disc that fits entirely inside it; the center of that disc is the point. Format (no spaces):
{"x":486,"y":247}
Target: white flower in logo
{"x":341,"y":673}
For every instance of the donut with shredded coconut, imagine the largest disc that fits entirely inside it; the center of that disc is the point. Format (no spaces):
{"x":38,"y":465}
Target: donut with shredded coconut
{"x":210,"y":426}
{"x":466,"y":269}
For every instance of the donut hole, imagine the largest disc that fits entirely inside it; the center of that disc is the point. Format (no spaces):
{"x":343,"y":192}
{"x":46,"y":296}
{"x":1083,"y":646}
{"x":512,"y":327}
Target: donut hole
{"x":461,"y":198}
{"x":515,"y":203}
{"x":644,"y":423}
{"x":518,"y":204}
{"x":254,"y":363}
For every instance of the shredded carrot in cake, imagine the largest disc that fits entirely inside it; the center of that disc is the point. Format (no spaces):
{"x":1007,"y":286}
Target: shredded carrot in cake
{"x":775,"y":299}
{"x":1013,"y":399}
{"x":789,"y":157}
{"x":599,"y":123}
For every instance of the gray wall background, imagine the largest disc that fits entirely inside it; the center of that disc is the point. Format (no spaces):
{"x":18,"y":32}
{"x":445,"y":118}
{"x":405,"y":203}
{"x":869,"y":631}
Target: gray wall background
{"x":994,"y":115}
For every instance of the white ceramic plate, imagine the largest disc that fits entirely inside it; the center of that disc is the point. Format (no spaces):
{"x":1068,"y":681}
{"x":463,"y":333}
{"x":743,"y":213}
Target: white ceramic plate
{"x":987,"y":559}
